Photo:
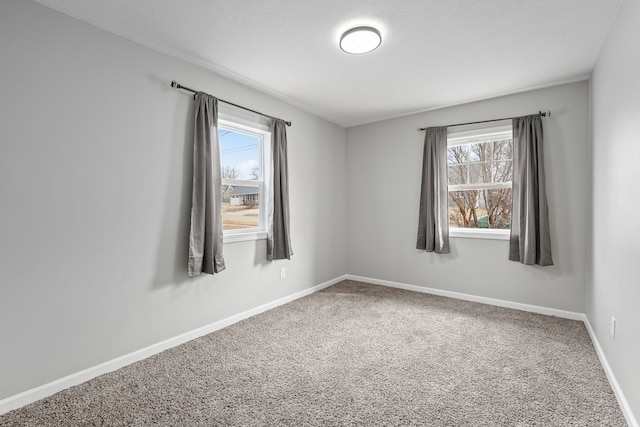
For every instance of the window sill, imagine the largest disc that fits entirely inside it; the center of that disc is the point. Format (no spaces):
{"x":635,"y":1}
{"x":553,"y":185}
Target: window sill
{"x":243,"y":237}
{"x":470,"y":233}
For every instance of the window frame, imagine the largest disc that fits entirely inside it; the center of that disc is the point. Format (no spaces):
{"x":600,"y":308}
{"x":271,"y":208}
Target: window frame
{"x":470,"y":135}
{"x":260,"y":129}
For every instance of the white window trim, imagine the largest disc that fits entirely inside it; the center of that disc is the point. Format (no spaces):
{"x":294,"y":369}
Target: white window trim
{"x":481,"y":186}
{"x":464,"y":137}
{"x":263,"y":132}
{"x":479,"y":233}
{"x":244,"y":236}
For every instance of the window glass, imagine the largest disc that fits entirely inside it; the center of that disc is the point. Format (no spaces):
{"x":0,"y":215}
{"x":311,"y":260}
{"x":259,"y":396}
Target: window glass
{"x":242,"y":179}
{"x":480,"y":209}
{"x":480,"y":167}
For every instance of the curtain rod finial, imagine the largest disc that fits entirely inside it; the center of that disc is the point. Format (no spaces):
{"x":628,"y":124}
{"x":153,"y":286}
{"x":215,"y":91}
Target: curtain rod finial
{"x":174,"y":84}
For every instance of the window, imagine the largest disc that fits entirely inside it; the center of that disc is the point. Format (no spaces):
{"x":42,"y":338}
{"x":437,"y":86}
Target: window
{"x":244,"y":146}
{"x":480,"y":167}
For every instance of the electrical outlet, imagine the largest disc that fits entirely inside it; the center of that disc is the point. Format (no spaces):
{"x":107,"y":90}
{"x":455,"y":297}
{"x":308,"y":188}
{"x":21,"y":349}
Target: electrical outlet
{"x":613,"y":327}
{"x":283,"y":272}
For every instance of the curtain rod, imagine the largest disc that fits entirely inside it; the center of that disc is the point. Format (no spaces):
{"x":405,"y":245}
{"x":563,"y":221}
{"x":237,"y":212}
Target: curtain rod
{"x":540,"y":113}
{"x":177,"y":85}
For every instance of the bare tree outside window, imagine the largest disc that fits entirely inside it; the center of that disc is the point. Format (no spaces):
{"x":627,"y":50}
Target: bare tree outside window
{"x":255,"y":172}
{"x":480,"y":176}
{"x":229,"y":172}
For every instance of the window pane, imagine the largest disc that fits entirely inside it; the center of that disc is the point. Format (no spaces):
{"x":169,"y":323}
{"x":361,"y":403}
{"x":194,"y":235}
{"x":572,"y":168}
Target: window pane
{"x":480,"y":209}
{"x":480,"y":152}
{"x":457,"y":174}
{"x":480,"y":172}
{"x":459,"y":154}
{"x":475,"y":153}
{"x":502,"y":171}
{"x":239,"y":155}
{"x":485,"y":158}
{"x":240,"y":160}
{"x":240,"y":207}
{"x":503,"y":150}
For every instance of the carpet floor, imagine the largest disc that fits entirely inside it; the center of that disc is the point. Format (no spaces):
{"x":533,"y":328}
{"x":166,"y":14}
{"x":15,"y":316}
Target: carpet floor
{"x":356,"y":354}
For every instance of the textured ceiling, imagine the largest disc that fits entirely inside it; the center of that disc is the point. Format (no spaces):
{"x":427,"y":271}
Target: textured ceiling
{"x":434,"y":53}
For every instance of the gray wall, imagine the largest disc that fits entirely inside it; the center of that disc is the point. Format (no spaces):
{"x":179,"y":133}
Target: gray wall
{"x":95,"y":189}
{"x":615,"y":287}
{"x":385,"y":161}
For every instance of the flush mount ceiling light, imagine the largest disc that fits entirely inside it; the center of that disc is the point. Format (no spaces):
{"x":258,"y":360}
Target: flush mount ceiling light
{"x":360,"y":40}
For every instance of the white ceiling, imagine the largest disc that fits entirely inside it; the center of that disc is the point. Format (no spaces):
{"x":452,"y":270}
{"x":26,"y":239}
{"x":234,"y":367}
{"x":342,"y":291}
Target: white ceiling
{"x":434,"y":53}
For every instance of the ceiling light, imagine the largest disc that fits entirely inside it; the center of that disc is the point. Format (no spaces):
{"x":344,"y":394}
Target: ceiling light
{"x":360,"y":40}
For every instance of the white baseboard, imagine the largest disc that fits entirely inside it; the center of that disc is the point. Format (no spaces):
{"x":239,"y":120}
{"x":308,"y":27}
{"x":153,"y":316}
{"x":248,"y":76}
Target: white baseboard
{"x":622,"y":400}
{"x":467,"y":297}
{"x":19,"y":400}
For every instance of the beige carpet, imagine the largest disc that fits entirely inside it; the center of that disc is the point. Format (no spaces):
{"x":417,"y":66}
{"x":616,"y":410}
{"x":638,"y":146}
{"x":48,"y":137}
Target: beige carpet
{"x":356,"y":355}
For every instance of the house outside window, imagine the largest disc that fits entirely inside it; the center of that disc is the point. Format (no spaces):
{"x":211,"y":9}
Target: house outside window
{"x":480,"y":170}
{"x":244,"y":147}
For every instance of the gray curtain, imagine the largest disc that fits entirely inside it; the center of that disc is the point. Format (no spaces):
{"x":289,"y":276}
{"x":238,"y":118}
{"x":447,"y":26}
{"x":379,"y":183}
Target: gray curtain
{"x":205,"y":239}
{"x":530,"y":241}
{"x":433,"y":221}
{"x":279,"y":238}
